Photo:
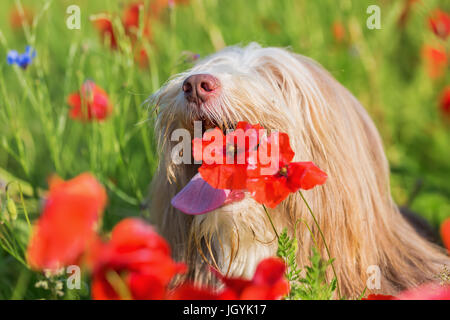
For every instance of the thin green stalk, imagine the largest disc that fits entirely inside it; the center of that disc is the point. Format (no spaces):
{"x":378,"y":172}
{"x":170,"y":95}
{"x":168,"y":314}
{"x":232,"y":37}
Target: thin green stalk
{"x":25,"y":211}
{"x":324,"y":242}
{"x":21,"y":285}
{"x":310,"y":232}
{"x":16,"y":132}
{"x":6,"y":244}
{"x":363,"y":293}
{"x":271,"y":222}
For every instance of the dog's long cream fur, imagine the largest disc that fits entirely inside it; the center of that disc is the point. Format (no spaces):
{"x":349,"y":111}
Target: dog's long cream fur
{"x":327,"y":125}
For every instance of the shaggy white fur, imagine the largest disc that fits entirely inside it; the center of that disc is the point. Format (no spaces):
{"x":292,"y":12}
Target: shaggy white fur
{"x":327,"y":125}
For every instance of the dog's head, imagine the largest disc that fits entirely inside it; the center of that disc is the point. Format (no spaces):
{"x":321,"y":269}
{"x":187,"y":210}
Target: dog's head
{"x":326,"y":124}
{"x":270,"y":86}
{"x":232,"y":85}
{"x":283,"y":91}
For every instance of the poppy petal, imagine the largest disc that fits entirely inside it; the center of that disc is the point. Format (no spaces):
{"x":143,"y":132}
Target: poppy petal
{"x":269,"y":271}
{"x":268,"y":190}
{"x":445,"y":233}
{"x":67,"y":224}
{"x":304,"y":175}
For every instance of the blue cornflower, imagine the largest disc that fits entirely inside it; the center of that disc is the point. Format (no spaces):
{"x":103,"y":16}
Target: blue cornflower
{"x":22,"y":60}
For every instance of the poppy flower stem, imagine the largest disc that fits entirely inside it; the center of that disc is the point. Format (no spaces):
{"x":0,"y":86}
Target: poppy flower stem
{"x":25,"y":211}
{"x":324,"y":242}
{"x":271,"y":222}
{"x":309,"y":229}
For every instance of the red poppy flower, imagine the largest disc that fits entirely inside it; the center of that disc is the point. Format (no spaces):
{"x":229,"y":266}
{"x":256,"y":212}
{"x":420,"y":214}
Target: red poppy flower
{"x":378,"y":297}
{"x":134,"y":264}
{"x":18,"y":18}
{"x":428,"y":291}
{"x":92,"y":103}
{"x":440,"y":23}
{"x":70,"y":215}
{"x":445,"y":101}
{"x":445,"y":233}
{"x":273,"y":185}
{"x":131,"y":15}
{"x":225,"y":158}
{"x":338,"y":30}
{"x":130,"y":20}
{"x":131,"y":25}
{"x":268,"y":283}
{"x":436,"y":61}
{"x":105,"y":27}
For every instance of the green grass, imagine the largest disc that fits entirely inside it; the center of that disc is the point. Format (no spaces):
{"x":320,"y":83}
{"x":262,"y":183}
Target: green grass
{"x":383,"y":68}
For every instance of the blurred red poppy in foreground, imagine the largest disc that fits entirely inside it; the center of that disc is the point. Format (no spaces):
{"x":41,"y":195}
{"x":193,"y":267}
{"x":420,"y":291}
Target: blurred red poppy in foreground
{"x":189,"y":291}
{"x":270,"y":186}
{"x":440,"y":23}
{"x":91,"y":103}
{"x":445,"y":232}
{"x":68,"y":221}
{"x":436,"y":61}
{"x":429,"y":291}
{"x":379,"y":297}
{"x":18,"y":18}
{"x":134,"y":264}
{"x":445,"y":101}
{"x":268,"y":283}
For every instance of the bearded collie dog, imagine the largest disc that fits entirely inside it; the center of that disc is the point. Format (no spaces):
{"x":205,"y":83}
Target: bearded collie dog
{"x":284,"y":91}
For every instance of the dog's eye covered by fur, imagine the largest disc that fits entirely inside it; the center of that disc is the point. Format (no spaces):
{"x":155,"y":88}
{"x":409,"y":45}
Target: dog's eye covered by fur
{"x":327,"y":125}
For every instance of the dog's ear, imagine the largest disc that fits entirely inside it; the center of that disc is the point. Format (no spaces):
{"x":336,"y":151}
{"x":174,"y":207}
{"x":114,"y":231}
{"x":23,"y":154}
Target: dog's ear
{"x":273,"y":72}
{"x":293,"y":77}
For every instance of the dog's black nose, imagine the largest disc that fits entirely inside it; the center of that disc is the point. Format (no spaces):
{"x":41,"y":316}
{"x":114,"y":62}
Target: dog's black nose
{"x":200,"y":87}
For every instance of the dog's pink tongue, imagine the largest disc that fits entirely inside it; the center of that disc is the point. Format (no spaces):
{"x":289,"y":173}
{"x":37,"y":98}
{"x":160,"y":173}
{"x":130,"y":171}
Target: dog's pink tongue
{"x":198,"y":197}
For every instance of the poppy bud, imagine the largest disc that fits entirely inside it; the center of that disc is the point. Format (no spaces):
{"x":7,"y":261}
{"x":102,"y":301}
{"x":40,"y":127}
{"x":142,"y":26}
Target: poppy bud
{"x":12,"y":209}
